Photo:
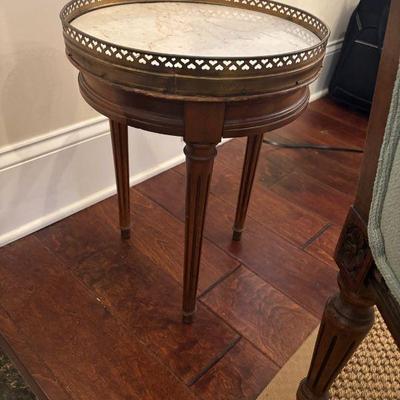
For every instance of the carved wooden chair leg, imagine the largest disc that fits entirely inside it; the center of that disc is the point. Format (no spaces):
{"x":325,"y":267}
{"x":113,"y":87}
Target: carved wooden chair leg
{"x":253,"y":148}
{"x":347,"y":320}
{"x":119,"y":136}
{"x":199,"y":161}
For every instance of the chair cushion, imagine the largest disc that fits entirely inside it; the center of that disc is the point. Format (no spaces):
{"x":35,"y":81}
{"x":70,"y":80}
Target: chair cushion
{"x":384,"y":219}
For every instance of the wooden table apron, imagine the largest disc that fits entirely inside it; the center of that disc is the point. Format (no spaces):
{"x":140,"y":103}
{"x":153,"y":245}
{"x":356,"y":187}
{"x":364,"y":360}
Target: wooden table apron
{"x":203,"y":110}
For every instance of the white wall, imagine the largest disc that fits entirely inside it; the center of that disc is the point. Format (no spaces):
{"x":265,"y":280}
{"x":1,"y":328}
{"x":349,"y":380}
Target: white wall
{"x":55,"y":152}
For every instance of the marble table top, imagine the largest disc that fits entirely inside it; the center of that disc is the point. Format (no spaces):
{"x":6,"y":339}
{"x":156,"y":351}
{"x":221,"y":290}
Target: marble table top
{"x":191,"y":29}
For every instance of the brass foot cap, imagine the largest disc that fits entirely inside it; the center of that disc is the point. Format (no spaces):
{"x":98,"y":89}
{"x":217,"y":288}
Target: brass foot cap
{"x":187,"y":318}
{"x":126,"y":233}
{"x":237,"y":235}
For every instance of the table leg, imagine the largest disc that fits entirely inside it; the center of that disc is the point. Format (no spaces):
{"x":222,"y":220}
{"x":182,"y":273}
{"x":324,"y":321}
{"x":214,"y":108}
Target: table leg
{"x":119,"y":136}
{"x":253,"y":148}
{"x":204,"y":123}
{"x":347,"y":319}
{"x":199,"y":164}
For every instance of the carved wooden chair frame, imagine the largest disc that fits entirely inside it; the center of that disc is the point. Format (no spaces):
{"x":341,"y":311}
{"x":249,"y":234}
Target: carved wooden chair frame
{"x":349,"y":315}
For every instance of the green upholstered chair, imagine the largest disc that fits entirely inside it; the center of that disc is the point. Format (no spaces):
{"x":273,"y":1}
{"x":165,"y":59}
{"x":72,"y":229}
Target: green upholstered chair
{"x":384,"y":217}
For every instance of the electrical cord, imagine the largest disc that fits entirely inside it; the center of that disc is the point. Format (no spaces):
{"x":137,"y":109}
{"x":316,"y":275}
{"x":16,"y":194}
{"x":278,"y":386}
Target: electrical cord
{"x":313,"y":147}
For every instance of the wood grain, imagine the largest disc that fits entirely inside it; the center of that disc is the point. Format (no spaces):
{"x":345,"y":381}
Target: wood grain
{"x":88,"y":352}
{"x":335,"y":169}
{"x":296,"y":273}
{"x":30,"y":365}
{"x":87,"y":232}
{"x":242,"y":374}
{"x":331,"y":129}
{"x":123,"y":297}
{"x":317,"y":129}
{"x":341,"y":113}
{"x":323,"y":246}
{"x":148,"y":303}
{"x":270,"y":209}
{"x":314,"y":196}
{"x":163,"y":243}
{"x":276,"y":325}
{"x":139,"y":292}
{"x":334,"y":173}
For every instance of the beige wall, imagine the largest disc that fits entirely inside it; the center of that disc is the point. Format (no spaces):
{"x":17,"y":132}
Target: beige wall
{"x":335,"y":13}
{"x":38,"y":88}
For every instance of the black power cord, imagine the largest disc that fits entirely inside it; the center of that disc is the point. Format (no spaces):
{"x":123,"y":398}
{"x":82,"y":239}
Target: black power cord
{"x":313,"y":147}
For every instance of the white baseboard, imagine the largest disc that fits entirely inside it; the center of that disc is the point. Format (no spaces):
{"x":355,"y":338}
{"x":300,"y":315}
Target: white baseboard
{"x":53,"y":176}
{"x":38,"y":189}
{"x":320,"y":87}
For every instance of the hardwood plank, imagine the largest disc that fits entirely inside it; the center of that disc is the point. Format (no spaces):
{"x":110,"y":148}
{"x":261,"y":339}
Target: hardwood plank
{"x":284,"y":218}
{"x":84,"y":346}
{"x":38,"y":377}
{"x":272,"y":210}
{"x":337,"y":169}
{"x":171,"y":200}
{"x":330,"y":127}
{"x":288,"y":219}
{"x":329,"y":167}
{"x":352,"y":161}
{"x":346,"y":160}
{"x":275,"y":324}
{"x":271,"y":166}
{"x":329,"y":171}
{"x":148,"y":303}
{"x":314,"y":128}
{"x":242,"y":374}
{"x":297,"y":274}
{"x":163,"y":242}
{"x":94,"y":229}
{"x":315,"y":196}
{"x":138,"y":289}
{"x":323,"y":247}
{"x":112,"y":308}
{"x":340,"y":112}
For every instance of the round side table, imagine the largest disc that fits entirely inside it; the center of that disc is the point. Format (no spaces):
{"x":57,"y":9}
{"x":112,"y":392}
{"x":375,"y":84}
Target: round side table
{"x":203,"y":70}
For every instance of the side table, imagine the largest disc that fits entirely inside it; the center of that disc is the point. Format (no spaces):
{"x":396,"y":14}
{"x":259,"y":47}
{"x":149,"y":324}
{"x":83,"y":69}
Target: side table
{"x":203,"y":70}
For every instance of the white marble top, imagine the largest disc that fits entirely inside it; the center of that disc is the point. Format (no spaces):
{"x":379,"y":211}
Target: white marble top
{"x":195,"y":30}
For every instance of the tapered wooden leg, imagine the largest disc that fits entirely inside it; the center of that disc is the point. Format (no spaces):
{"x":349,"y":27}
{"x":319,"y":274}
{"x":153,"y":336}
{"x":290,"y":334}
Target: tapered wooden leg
{"x":253,"y":148}
{"x":199,"y":162}
{"x":119,"y":136}
{"x":204,"y":124}
{"x":347,"y":320}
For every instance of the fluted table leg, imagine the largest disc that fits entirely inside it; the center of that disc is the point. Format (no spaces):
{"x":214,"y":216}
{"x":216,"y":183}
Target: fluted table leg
{"x":199,"y":161}
{"x":204,"y":124}
{"x":253,"y":148}
{"x":119,"y":136}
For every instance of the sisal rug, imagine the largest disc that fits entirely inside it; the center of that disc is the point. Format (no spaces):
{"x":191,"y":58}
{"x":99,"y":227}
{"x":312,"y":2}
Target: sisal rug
{"x":12,"y":387}
{"x":373,"y":373}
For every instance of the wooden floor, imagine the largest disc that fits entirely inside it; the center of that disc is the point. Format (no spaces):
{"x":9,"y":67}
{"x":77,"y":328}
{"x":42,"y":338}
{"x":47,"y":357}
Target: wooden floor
{"x":87,"y":316}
